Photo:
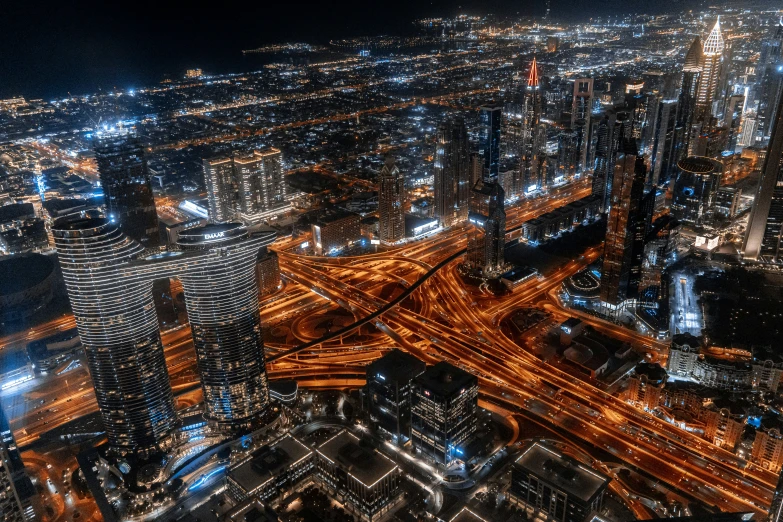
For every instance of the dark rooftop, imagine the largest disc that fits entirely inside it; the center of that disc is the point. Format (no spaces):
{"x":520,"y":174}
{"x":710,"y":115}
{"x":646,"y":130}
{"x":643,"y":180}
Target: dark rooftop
{"x":20,"y":272}
{"x":397,"y":366}
{"x":445,"y":379}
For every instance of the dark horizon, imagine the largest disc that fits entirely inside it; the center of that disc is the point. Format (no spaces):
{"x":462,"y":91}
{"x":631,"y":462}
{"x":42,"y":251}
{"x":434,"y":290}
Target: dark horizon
{"x":129,"y":45}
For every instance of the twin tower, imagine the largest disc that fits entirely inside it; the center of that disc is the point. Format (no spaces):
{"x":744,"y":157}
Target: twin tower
{"x":109,"y":282}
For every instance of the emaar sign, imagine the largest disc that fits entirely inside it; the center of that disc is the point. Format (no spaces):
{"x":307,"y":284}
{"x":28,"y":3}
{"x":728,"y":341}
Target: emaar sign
{"x":215,"y":235}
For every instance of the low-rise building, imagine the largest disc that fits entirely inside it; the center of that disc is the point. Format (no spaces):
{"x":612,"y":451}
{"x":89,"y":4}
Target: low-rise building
{"x":358,"y":474}
{"x":268,"y":272}
{"x":335,"y":230}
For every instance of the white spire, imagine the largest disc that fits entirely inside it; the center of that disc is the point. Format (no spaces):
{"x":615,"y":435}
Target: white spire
{"x":714,"y":43}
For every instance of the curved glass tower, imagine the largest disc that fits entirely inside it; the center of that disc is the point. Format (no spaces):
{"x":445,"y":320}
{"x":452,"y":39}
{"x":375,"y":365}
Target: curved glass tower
{"x":110,"y":288}
{"x":118,"y":326}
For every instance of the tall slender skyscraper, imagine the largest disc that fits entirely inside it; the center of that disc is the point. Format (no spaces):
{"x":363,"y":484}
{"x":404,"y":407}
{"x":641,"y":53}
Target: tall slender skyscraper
{"x":109,"y":284}
{"x":125,"y":178}
{"x":711,"y":62}
{"x":247,"y":187}
{"x":770,"y":76}
{"x":611,"y":131}
{"x":686,"y":104}
{"x":391,"y":203}
{"x":16,"y":487}
{"x":663,"y":145}
{"x":765,"y":225}
{"x":625,"y":227}
{"x":452,"y":172}
{"x":489,"y":140}
{"x":581,"y":116}
{"x":533,"y":144}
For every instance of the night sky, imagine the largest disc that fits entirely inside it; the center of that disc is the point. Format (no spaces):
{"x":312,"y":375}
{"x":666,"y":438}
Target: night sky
{"x":79,"y":47}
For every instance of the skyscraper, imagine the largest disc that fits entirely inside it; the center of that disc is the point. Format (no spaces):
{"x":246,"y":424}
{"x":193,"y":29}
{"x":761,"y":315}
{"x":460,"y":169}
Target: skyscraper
{"x":489,"y":140}
{"x":776,"y":507}
{"x":709,"y":78}
{"x":391,"y":203}
{"x":445,"y":410}
{"x":695,"y":189}
{"x":487,"y":236}
{"x":686,"y":104}
{"x":17,"y":490}
{"x":533,"y":144}
{"x":249,"y":186}
{"x":581,"y":115}
{"x":663,"y":145}
{"x":109,"y":284}
{"x":765,"y":225}
{"x":625,"y":229}
{"x":611,"y":131}
{"x":770,"y":76}
{"x":125,"y":177}
{"x":452,"y":172}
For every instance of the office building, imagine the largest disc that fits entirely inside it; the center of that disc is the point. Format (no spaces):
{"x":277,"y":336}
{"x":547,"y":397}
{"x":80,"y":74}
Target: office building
{"x":267,"y":272}
{"x":250,"y":187}
{"x":487,"y":235}
{"x":695,"y":189}
{"x":270,"y":471}
{"x":710,"y":75}
{"x":613,"y":128}
{"x":559,"y":487}
{"x":109,"y":284}
{"x":16,"y":488}
{"x":391,"y":203}
{"x":765,"y":225}
{"x":532,"y":153}
{"x":354,"y":472}
{"x":335,"y":230}
{"x":727,"y":202}
{"x":445,"y":412}
{"x":390,"y":393}
{"x":581,"y":116}
{"x":490,"y":117}
{"x":767,"y":450}
{"x":625,"y":229}
{"x":663,"y":146}
{"x":452,"y":172}
{"x":686,"y":103}
{"x":770,"y":76}
{"x":125,"y":178}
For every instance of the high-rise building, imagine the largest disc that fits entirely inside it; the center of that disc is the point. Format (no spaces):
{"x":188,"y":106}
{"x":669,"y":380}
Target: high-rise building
{"x":532,"y":162}
{"x":625,"y":229}
{"x":776,"y":506}
{"x":391,"y":203}
{"x":109,"y":284}
{"x":487,"y":235}
{"x":770,"y":76}
{"x":686,"y":103}
{"x":267,"y":272}
{"x":490,"y":117}
{"x":581,"y":115}
{"x":610,"y":133}
{"x":695,"y":189}
{"x":445,"y":412}
{"x":16,"y":488}
{"x":125,"y":178}
{"x":765,"y":225}
{"x":711,"y":63}
{"x":663,"y":145}
{"x":247,"y":187}
{"x":390,"y":392}
{"x":452,"y":172}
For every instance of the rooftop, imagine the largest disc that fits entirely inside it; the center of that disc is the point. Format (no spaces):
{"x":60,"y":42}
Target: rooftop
{"x":269,"y":462}
{"x":397,"y":366}
{"x":20,"y":272}
{"x":562,"y":472}
{"x":365,"y":464}
{"x":445,"y":379}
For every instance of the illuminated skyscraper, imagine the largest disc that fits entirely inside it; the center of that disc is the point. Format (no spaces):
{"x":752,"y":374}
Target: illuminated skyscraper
{"x":776,"y":507}
{"x":533,"y":146}
{"x":770,"y":76}
{"x":610,"y":133}
{"x":109,"y":284}
{"x":452,"y":172}
{"x":625,"y":228}
{"x":711,"y":62}
{"x":445,"y":411}
{"x":249,"y":186}
{"x":489,"y":141}
{"x":695,"y":189}
{"x":581,"y":115}
{"x":16,"y":488}
{"x":663,"y":145}
{"x":686,"y":103}
{"x":391,"y":203}
{"x":765,"y":225}
{"x":125,"y":178}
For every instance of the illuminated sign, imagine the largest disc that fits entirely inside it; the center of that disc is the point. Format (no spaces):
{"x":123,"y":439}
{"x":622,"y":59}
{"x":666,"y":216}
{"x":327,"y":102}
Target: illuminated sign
{"x":215,"y":235}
